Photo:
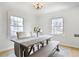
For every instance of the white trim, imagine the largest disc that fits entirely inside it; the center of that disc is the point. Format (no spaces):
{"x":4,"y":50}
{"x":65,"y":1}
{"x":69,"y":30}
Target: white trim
{"x":64,"y":44}
{"x":6,"y":49}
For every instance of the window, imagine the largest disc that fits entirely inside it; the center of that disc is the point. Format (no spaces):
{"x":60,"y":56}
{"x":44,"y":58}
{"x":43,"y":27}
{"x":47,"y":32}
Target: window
{"x":57,"y":25}
{"x":16,"y":25}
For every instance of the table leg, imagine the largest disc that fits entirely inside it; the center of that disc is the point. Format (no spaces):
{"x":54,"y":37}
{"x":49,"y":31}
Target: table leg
{"x":42,"y":43}
{"x":47,"y":41}
{"x":17,"y":49}
{"x":38,"y":46}
{"x":57,"y":48}
{"x":21,"y":51}
{"x":32,"y":47}
{"x":26,"y":52}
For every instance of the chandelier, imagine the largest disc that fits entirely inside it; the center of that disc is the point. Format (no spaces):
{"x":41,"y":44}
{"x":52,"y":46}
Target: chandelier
{"x":38,"y":5}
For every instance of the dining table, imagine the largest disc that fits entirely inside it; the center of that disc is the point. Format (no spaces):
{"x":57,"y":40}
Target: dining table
{"x":24,"y":46}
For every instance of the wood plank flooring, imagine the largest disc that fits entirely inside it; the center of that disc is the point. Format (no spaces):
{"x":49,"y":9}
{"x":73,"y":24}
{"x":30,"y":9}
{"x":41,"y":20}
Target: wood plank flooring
{"x":65,"y":51}
{"x":74,"y":52}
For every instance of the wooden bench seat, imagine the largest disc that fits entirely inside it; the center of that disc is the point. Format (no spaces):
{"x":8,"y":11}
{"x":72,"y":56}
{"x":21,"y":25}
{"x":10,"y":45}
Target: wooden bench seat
{"x":46,"y":50}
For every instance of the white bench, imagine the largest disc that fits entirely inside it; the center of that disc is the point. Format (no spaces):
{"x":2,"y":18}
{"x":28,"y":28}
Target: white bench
{"x":46,"y":50}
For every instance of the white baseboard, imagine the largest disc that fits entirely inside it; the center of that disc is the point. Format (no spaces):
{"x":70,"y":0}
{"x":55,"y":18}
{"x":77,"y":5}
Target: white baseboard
{"x":69,"y":45}
{"x":6,"y":49}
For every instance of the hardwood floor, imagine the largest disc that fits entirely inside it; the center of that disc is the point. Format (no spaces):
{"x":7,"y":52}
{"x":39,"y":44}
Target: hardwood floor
{"x":65,"y":51}
{"x":74,"y":52}
{"x":6,"y":53}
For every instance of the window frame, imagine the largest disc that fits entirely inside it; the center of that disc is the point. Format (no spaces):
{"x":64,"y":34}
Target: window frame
{"x":15,"y":26}
{"x":57,"y":26}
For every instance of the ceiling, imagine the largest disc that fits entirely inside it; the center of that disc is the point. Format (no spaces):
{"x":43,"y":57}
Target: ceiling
{"x":48,"y":6}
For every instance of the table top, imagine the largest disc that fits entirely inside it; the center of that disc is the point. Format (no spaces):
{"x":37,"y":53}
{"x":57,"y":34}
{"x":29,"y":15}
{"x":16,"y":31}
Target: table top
{"x":32,"y":40}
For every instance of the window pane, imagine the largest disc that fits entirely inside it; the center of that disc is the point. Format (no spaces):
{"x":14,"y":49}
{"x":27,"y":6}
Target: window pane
{"x":12,"y":18}
{"x":15,"y":19}
{"x":20,"y":29}
{"x":60,"y":21}
{"x":14,"y":28}
{"x":57,"y":22}
{"x":58,"y":29}
{"x":12,"y":23}
{"x":19,"y":24}
{"x":54,"y":23}
{"x":13,"y":33}
{"x":15,"y":23}
{"x":20,"y":20}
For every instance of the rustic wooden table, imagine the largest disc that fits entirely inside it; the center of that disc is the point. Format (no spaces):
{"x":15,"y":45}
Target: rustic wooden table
{"x":23,"y":47}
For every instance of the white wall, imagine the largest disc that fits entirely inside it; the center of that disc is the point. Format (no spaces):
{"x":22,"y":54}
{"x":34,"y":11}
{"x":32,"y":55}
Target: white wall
{"x":71,"y":22}
{"x":29,"y":23}
{"x":4,"y":42}
{"x":71,"y":25}
{"x":29,"y":19}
